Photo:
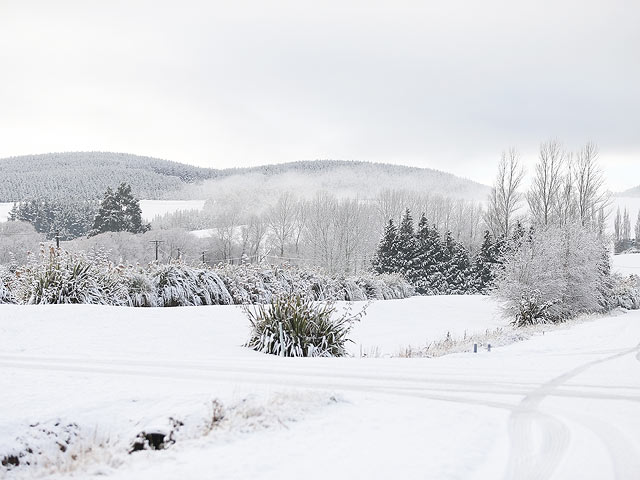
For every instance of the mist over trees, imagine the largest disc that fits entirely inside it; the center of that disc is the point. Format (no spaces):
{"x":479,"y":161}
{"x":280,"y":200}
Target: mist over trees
{"x":86,"y":175}
{"x":442,"y":244}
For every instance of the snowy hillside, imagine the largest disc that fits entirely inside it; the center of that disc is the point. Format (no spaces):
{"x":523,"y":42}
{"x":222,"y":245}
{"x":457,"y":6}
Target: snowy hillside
{"x":83,"y":386}
{"x":86,"y":175}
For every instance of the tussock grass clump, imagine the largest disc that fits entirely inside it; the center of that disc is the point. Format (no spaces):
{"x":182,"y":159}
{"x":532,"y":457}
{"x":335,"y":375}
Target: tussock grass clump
{"x":295,"y":326}
{"x":59,"y":277}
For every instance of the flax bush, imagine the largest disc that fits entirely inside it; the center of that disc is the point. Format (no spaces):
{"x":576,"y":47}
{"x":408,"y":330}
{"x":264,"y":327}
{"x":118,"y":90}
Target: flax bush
{"x":296,"y":326}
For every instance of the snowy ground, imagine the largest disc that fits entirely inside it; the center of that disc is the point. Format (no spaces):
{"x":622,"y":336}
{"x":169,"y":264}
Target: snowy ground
{"x":151,"y":208}
{"x":5,"y":208}
{"x":626,"y":264}
{"x":561,"y":405}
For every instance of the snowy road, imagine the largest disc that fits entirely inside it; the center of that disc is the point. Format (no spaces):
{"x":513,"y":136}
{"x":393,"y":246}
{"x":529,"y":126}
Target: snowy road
{"x":558,"y":406}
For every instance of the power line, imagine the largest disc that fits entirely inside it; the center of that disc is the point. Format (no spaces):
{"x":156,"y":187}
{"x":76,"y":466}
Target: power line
{"x":157,"y":242}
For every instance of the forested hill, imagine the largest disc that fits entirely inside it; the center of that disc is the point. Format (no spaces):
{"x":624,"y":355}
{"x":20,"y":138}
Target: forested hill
{"x":86,"y":175}
{"x":632,"y":192}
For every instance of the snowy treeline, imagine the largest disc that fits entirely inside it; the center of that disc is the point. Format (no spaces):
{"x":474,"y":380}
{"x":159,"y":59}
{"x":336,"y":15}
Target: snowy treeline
{"x":560,"y":267}
{"x":338,"y":234}
{"x":70,"y":219}
{"x":567,"y":187}
{"x":436,"y":264}
{"x":624,"y":237}
{"x":58,"y":276}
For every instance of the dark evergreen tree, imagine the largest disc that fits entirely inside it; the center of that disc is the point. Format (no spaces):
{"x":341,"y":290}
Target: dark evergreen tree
{"x":426,"y":275}
{"x":487,"y":260}
{"x":384,"y":260}
{"x":432,"y":265}
{"x":69,"y":219}
{"x":456,"y":267}
{"x":119,"y":212}
{"x":406,"y":245}
{"x":518,"y":236}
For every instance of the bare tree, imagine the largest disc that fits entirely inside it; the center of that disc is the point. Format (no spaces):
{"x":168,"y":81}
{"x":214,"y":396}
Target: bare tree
{"x":589,"y":183}
{"x":626,"y":226}
{"x":282,"y":219}
{"x":566,"y":205}
{"x":617,"y":226}
{"x":252,"y":237}
{"x":505,"y":199}
{"x":544,"y":195}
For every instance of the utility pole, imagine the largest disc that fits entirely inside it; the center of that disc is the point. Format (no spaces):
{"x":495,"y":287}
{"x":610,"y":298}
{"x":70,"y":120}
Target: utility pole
{"x":157,"y":242}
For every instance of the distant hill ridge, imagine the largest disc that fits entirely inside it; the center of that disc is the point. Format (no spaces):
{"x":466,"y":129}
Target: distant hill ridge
{"x":632,"y":192}
{"x":86,"y":175}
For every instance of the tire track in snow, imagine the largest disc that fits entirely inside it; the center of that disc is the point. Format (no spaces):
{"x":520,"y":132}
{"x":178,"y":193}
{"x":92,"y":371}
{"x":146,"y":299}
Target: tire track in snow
{"x":282,"y":378}
{"x":525,"y":463}
{"x":248,"y":375}
{"x":624,"y":457}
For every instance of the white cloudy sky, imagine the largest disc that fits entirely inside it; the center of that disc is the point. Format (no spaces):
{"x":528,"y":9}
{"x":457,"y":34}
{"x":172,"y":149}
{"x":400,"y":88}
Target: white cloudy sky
{"x":445,"y":84}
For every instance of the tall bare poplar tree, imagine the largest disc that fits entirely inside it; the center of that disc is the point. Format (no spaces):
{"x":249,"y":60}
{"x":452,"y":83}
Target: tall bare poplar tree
{"x":505,"y":198}
{"x":591,"y":195}
{"x":548,"y":184}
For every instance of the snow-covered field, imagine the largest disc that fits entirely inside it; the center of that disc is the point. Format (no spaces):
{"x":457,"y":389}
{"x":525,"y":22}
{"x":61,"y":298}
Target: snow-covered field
{"x":152,"y":208}
{"x":80,"y":383}
{"x":5,"y":208}
{"x":626,"y":264}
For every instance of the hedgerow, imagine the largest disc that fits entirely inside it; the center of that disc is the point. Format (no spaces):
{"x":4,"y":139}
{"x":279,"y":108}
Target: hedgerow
{"x":57,"y":276}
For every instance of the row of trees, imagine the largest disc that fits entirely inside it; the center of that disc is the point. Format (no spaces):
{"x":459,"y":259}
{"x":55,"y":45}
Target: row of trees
{"x":566,"y":188}
{"x":338,"y":234}
{"x":624,"y":237}
{"x":555,"y":267}
{"x":68,"y":219}
{"x":119,"y":211}
{"x":436,"y":264}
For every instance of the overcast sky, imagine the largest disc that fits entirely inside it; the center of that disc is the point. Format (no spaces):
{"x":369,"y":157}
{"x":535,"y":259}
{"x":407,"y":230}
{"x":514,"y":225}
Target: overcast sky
{"x":446,"y":85}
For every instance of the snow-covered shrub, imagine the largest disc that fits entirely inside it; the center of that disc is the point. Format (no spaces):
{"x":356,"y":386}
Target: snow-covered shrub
{"x":58,"y":276}
{"x":385,"y":286}
{"x":178,"y":285}
{"x":625,"y":292}
{"x":557,"y":273}
{"x":6,"y":277}
{"x":5,"y":294}
{"x":533,"y":310}
{"x":295,"y":326}
{"x":261,"y":283}
{"x":140,"y":288}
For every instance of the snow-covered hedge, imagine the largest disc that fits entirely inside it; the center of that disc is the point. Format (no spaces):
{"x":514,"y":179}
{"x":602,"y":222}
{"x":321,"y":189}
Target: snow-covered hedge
{"x":625,"y":292}
{"x":57,"y":276}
